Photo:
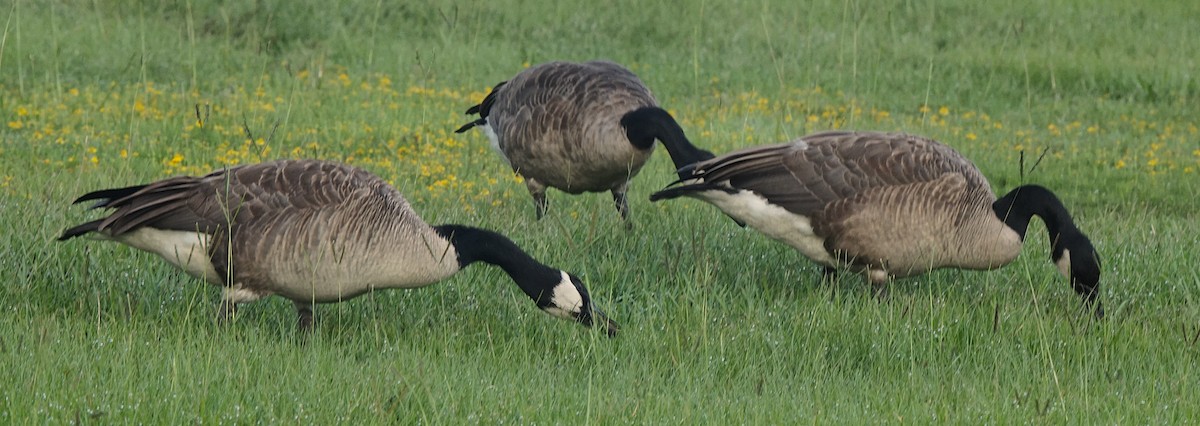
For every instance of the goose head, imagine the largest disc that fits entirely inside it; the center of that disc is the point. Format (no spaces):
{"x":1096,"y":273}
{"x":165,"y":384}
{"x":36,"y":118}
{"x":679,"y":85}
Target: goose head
{"x":1078,"y":261}
{"x":569,"y":299}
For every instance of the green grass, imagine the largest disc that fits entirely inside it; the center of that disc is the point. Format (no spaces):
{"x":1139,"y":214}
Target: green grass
{"x":720,"y":324}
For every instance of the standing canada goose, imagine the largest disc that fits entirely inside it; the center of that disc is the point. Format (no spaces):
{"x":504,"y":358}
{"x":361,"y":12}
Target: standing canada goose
{"x":578,"y":127}
{"x":887,"y":204}
{"x":313,"y":232}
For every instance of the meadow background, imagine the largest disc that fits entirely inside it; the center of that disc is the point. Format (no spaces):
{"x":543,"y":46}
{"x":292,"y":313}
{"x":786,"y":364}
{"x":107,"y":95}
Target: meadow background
{"x":720,"y":324}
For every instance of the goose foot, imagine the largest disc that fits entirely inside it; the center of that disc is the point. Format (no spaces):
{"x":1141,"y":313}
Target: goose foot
{"x":226,"y":311}
{"x":879,"y":283}
{"x":304,"y":316}
{"x":829,"y":274}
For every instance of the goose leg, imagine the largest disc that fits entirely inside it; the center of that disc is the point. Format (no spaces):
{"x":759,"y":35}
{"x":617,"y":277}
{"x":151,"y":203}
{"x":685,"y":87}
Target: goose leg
{"x":304,"y":315}
{"x":231,"y":296}
{"x":226,"y":311}
{"x":828,"y":274}
{"x":622,"y":204}
{"x":879,"y":283}
{"x":538,"y":191}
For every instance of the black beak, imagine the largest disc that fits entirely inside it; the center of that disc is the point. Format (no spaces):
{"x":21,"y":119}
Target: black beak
{"x":594,"y":317}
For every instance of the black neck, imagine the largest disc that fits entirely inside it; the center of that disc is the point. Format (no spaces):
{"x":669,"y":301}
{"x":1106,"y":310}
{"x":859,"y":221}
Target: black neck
{"x":644,"y":125}
{"x":1018,"y":206}
{"x":1024,"y":202}
{"x":480,"y":245}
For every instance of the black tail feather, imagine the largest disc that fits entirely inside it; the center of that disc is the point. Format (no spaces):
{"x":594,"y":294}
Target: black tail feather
{"x":483,"y":109}
{"x":686,"y":172}
{"x":81,"y":229}
{"x":104,"y":198}
{"x":644,"y":125}
{"x":673,"y":191}
{"x":468,"y":126}
{"x":107,"y":195}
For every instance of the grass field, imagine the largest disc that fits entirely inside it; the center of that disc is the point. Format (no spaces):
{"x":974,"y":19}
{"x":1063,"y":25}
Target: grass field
{"x":720,"y":324}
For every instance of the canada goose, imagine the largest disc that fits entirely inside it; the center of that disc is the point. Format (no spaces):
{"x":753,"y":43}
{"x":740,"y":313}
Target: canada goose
{"x":313,"y":232}
{"x":887,"y":204}
{"x":578,"y":127}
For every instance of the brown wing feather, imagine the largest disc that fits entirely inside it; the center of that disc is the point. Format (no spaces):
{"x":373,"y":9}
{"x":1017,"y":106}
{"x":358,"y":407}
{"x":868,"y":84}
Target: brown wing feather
{"x":159,"y":204}
{"x":806,"y":175}
{"x":237,"y":196}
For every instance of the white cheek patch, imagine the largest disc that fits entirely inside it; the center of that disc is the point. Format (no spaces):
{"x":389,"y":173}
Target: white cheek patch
{"x":1064,"y":264}
{"x":774,"y":221}
{"x":565,"y":300}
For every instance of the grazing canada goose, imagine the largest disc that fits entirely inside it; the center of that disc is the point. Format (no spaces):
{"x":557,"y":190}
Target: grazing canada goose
{"x":313,"y":232}
{"x":887,"y":204}
{"x":578,"y":127}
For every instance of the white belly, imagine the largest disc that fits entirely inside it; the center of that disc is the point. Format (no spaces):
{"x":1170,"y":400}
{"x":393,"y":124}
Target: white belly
{"x":187,"y":250}
{"x":495,"y":142}
{"x":774,"y":221}
{"x":338,"y":270}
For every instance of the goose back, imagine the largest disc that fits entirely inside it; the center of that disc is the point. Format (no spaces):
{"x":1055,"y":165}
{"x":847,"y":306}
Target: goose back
{"x":306,"y":230}
{"x":560,"y":123}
